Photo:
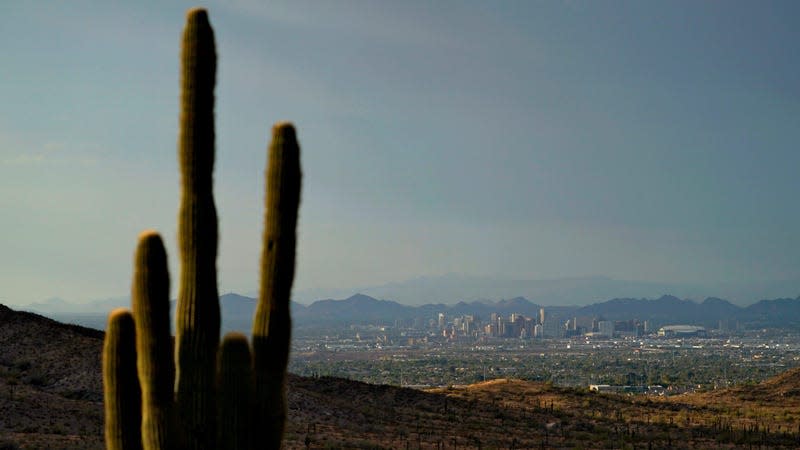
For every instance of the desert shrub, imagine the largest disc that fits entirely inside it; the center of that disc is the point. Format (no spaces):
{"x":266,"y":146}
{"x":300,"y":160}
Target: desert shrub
{"x":82,"y":394}
{"x":36,"y":379}
{"x":8,"y":445}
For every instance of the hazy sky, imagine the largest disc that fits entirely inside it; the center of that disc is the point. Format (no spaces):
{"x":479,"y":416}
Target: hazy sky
{"x":639,"y":140}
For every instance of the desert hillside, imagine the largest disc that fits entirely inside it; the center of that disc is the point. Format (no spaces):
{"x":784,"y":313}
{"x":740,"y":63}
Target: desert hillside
{"x":51,"y":398}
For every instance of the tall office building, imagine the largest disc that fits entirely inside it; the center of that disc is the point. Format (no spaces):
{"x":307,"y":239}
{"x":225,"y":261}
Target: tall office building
{"x":606,"y":328}
{"x":553,"y":327}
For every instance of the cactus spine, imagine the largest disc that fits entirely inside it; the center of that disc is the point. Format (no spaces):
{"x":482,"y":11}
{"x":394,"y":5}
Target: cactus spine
{"x":272,"y":324}
{"x":150,"y":298}
{"x":198,"y":321}
{"x":120,"y":385}
{"x":220,"y":397}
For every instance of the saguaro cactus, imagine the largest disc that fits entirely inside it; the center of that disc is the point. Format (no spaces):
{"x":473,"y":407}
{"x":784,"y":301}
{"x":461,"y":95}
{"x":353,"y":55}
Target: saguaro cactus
{"x":272,"y":324}
{"x":235,"y":378}
{"x":212,"y":405}
{"x":198,"y":321}
{"x":120,"y":386}
{"x":150,"y":298}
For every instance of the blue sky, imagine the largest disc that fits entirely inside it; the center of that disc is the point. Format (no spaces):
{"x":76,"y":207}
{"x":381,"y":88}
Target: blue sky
{"x":651,"y":141}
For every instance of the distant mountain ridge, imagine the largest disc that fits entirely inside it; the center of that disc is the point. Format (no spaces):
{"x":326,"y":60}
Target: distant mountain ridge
{"x":60,"y":306}
{"x":783,"y":312}
{"x":666,"y":309}
{"x":362,"y":307}
{"x":356,"y":306}
{"x":238,"y":310}
{"x":584,"y":290}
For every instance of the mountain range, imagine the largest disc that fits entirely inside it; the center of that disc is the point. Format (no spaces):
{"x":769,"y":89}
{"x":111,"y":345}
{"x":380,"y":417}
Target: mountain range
{"x":237,"y":311}
{"x":452,"y":288}
{"x":667,"y":309}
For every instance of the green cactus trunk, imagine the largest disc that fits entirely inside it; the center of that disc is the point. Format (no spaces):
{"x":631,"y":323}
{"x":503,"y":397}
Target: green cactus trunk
{"x":235,"y":385}
{"x":203,"y":399}
{"x":272,"y":325}
{"x":120,"y":384}
{"x":150,"y":298}
{"x":198,"y":316}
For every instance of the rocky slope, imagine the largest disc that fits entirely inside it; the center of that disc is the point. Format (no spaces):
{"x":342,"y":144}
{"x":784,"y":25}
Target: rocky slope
{"x":51,"y":398}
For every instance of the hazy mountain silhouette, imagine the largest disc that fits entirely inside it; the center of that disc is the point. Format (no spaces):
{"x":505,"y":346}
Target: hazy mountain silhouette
{"x":61,"y":306}
{"x":666,"y":308}
{"x":356,"y":307}
{"x":670,"y":309}
{"x":779,"y":312}
{"x":579,"y":291}
{"x":237,"y":311}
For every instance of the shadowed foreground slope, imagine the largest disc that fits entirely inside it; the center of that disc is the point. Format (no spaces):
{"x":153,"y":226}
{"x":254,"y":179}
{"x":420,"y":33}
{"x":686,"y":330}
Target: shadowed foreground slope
{"x":51,"y":397}
{"x":50,"y":382}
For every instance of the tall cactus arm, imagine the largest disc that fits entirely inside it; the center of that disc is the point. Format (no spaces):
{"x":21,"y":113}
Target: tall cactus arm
{"x":198,"y":315}
{"x":272,"y":324}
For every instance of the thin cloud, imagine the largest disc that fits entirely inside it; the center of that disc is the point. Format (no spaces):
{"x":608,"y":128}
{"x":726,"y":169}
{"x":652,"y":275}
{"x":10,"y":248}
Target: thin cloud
{"x":48,"y":153}
{"x":25,"y":160}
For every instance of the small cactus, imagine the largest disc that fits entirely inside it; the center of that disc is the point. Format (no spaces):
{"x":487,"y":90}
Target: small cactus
{"x":210,"y":396}
{"x":120,"y":384}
